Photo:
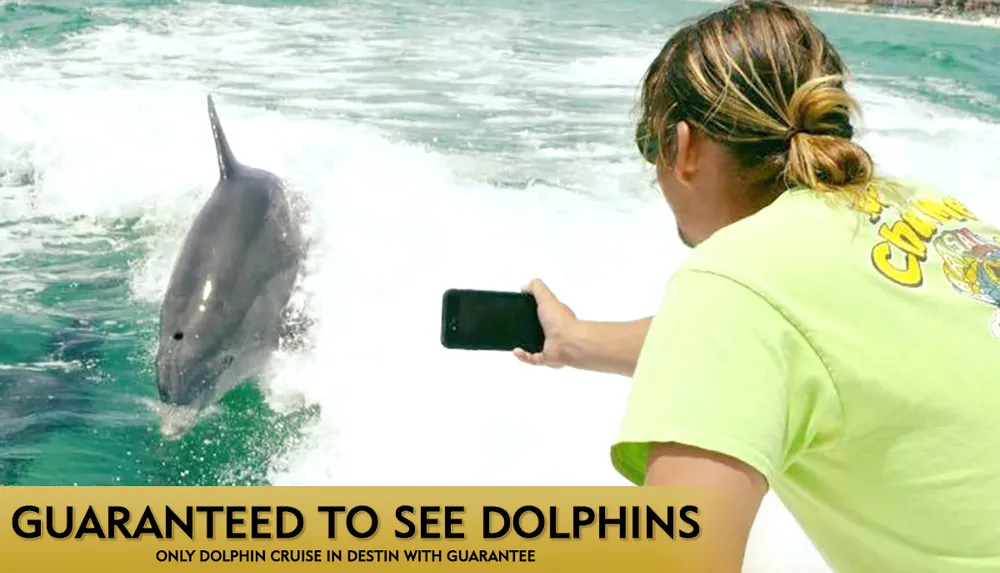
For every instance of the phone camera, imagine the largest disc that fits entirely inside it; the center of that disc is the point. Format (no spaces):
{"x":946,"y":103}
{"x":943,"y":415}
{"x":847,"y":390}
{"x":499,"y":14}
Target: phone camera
{"x":453,"y":325}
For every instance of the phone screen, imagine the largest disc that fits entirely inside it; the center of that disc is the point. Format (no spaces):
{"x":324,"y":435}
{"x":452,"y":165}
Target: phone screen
{"x":490,"y":320}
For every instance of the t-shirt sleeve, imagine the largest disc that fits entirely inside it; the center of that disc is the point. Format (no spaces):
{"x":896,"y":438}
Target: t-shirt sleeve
{"x":719,"y":370}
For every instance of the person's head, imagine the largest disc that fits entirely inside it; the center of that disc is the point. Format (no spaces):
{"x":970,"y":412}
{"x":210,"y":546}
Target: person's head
{"x":741,"y":105}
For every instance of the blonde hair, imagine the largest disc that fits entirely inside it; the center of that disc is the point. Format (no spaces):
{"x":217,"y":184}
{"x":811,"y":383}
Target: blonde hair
{"x":761,"y":79}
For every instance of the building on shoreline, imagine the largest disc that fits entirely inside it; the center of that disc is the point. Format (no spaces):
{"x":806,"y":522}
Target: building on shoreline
{"x":942,"y":8}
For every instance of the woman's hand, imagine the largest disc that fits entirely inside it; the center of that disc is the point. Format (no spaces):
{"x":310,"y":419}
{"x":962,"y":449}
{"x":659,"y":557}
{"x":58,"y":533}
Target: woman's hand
{"x":610,"y":347}
{"x":558,"y":322}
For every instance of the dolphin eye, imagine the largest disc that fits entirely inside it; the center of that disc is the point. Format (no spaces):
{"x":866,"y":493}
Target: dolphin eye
{"x":178,"y":336}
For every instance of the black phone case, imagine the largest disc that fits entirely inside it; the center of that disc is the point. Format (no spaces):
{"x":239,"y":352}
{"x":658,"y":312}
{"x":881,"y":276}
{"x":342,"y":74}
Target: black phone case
{"x":529,"y":333}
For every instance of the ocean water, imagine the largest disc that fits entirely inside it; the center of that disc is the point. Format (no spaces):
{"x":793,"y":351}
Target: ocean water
{"x":435,"y":144}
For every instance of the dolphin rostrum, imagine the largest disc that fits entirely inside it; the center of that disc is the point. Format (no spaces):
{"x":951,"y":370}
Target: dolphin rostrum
{"x":224,"y":307}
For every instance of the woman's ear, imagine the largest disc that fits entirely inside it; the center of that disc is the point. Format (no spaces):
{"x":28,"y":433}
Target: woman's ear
{"x":686,"y":156}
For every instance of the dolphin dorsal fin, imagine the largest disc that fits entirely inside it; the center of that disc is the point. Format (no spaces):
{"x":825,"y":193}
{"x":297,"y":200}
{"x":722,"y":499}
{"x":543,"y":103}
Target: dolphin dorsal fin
{"x":227,"y":162}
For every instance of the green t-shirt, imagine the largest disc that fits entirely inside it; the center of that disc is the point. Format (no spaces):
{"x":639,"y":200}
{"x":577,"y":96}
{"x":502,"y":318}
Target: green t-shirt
{"x":853,"y":358}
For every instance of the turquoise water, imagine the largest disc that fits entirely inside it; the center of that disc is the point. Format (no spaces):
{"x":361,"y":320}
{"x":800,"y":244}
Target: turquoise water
{"x":438,"y":144}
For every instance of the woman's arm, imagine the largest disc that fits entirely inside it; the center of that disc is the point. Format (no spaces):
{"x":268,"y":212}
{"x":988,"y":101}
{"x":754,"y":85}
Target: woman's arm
{"x":609,"y":347}
{"x":730,"y":494}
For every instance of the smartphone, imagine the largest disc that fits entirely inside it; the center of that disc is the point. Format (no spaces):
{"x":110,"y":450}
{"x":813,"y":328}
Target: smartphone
{"x":490,"y":320}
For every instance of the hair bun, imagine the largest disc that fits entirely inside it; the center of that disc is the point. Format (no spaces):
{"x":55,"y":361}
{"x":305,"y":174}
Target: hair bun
{"x":826,"y":157}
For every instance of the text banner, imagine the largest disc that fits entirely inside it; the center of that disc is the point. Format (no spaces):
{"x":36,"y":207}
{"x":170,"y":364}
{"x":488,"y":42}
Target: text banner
{"x":551,"y":529}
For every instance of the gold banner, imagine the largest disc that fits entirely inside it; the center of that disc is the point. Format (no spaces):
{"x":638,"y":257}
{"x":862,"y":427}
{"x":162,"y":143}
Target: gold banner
{"x":544,"y":529}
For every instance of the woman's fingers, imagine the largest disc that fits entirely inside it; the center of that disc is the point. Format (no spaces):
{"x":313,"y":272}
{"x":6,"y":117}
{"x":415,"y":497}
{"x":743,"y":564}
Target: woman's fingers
{"x":527,"y":357}
{"x":540,"y":290}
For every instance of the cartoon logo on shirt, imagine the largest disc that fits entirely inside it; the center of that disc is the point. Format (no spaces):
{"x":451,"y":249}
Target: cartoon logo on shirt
{"x":972,"y":265}
{"x":970,"y":260}
{"x":901,"y":254}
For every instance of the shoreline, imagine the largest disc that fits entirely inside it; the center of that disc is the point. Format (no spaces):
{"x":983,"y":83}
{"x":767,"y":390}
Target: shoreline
{"x":977,"y":18}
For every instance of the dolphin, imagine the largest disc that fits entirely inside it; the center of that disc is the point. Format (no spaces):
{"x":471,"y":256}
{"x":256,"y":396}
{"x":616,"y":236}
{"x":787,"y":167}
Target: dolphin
{"x":38,"y":398}
{"x":224,"y":307}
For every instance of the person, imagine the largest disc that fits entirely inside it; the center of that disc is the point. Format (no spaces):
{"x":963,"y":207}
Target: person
{"x":833,"y":335}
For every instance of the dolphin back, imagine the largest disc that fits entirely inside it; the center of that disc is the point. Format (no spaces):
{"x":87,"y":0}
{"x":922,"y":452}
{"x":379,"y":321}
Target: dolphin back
{"x":227,"y":161}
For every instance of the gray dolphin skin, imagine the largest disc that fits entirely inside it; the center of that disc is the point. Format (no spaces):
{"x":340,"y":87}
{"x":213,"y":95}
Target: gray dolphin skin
{"x":223,"y":310}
